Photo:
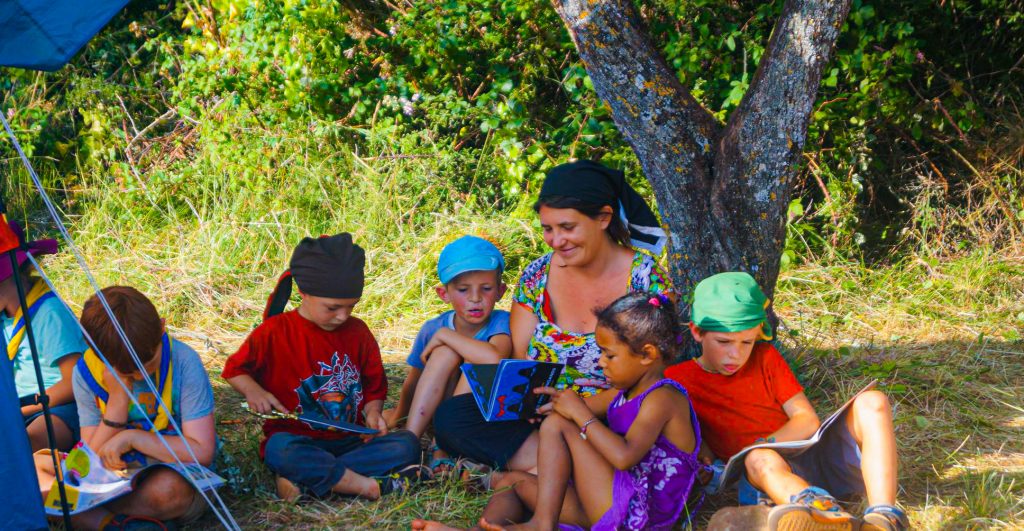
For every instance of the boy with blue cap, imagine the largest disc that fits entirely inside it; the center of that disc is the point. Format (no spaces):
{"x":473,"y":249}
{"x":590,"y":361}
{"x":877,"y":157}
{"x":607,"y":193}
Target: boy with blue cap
{"x":470,"y":270}
{"x":744,"y":393}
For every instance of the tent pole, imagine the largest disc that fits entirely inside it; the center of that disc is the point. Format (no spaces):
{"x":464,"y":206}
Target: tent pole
{"x":42,"y":398}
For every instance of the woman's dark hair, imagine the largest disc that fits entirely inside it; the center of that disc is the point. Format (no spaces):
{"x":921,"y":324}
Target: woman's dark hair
{"x":616,"y":228}
{"x":640,"y":319}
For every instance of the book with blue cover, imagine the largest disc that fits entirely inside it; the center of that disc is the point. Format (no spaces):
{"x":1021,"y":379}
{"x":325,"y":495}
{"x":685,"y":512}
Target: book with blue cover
{"x":504,"y":391}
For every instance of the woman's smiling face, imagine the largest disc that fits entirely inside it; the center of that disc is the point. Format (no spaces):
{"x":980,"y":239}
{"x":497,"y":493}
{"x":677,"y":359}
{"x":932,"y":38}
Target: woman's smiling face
{"x":572,"y":235}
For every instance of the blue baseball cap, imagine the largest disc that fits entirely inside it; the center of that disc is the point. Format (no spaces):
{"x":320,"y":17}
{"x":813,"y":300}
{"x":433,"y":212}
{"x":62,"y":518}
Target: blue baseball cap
{"x":468,"y":253}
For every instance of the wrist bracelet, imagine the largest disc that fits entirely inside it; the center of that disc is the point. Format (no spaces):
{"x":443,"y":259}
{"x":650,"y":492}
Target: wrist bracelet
{"x":583,"y":428}
{"x":113,"y":424}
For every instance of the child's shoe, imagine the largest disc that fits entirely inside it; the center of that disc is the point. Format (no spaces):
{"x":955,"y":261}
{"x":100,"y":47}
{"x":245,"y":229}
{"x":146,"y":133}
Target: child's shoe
{"x":402,"y":480}
{"x":286,"y":490}
{"x":885,"y":518}
{"x":813,"y":509}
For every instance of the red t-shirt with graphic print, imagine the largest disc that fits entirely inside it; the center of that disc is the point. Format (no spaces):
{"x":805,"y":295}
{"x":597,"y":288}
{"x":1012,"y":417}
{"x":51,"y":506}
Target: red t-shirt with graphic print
{"x":734,"y":411}
{"x":312,"y":371}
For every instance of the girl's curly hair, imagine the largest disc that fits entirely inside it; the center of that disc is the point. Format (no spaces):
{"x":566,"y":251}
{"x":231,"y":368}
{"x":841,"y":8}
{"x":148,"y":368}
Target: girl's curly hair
{"x":640,"y":319}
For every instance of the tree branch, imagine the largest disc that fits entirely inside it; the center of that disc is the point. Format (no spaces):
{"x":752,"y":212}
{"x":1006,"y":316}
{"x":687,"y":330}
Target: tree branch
{"x":672,"y":135}
{"x":756,"y":158}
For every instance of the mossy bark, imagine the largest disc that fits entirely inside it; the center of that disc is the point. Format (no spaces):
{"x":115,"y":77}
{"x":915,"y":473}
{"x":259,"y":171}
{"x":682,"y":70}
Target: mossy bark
{"x":723,"y":189}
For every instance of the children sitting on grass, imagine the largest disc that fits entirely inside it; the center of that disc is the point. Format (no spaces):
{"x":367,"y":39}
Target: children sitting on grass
{"x":470,"y":271}
{"x":118,"y":431}
{"x":636,"y":471}
{"x":744,"y":393}
{"x":58,"y":342}
{"x":320,"y":361}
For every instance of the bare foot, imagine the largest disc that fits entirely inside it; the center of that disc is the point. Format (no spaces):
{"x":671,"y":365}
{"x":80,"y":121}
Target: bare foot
{"x":487,"y":526}
{"x":286,"y":490}
{"x":429,"y":525}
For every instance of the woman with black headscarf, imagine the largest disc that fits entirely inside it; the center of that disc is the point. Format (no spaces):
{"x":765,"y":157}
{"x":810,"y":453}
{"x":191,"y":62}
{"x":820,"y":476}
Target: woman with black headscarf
{"x":594,"y":223}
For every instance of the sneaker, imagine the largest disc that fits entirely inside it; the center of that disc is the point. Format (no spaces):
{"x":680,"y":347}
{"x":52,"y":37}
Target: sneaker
{"x":885,"y":518}
{"x":403,"y":480}
{"x":813,"y":509}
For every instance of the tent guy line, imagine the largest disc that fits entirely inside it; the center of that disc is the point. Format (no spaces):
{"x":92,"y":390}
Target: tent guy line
{"x":227,"y":520}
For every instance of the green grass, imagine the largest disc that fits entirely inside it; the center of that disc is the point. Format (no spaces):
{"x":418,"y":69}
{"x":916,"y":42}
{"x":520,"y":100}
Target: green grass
{"x":943,"y":336}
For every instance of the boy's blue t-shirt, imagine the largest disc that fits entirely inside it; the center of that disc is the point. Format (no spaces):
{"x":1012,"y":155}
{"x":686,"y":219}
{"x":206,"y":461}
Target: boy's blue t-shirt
{"x":191,"y":394}
{"x":496,"y":325}
{"x":57,"y":335}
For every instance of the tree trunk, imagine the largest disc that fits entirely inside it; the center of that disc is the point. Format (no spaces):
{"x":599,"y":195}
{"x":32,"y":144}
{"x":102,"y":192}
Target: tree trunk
{"x":723,"y":190}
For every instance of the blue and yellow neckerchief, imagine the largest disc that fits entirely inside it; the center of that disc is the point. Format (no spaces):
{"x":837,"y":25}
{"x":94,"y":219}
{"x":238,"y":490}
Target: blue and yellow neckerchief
{"x":39,"y":293}
{"x":91,"y":368}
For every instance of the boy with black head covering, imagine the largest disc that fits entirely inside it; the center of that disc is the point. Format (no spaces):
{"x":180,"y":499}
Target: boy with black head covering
{"x":321,"y":362}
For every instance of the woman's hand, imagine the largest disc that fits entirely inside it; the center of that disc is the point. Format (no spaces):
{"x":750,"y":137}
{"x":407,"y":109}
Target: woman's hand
{"x":112,"y":451}
{"x":566,"y":403}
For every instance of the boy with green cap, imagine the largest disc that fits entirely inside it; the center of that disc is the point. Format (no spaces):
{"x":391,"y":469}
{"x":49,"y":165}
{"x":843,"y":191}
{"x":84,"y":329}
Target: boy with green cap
{"x":744,"y":393}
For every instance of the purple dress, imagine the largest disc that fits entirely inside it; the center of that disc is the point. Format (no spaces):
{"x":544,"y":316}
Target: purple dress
{"x":652,"y":493}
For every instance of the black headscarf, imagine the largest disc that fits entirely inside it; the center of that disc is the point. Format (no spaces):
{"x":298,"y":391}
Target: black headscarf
{"x":594,"y":183}
{"x":328,"y":266}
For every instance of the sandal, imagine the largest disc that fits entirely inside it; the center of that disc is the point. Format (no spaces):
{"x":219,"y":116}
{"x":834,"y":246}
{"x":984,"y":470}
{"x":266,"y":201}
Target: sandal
{"x":443,"y":466}
{"x":474,"y":474}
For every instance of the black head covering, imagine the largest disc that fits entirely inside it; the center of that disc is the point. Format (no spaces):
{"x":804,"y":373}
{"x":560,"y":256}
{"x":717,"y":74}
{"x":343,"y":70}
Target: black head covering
{"x":328,"y":266}
{"x":598,"y":184}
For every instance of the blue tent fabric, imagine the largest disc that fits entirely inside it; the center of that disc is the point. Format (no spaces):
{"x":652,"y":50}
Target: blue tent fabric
{"x":37,"y":35}
{"x":45,"y":34}
{"x":22,"y":493}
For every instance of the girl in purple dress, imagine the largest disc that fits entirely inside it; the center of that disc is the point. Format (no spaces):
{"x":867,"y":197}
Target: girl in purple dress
{"x":636,"y":471}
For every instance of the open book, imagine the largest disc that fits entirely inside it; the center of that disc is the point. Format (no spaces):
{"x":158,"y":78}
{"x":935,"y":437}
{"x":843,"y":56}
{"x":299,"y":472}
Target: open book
{"x":734,"y":468}
{"x":504,"y":391}
{"x":88,"y":484}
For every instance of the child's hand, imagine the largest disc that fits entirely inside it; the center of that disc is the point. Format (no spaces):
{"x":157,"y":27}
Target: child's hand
{"x":391,"y":417}
{"x":566,"y":403}
{"x":263,"y":401}
{"x":436,"y":341}
{"x":375,"y":420}
{"x":113,"y":384}
{"x":115,"y":447}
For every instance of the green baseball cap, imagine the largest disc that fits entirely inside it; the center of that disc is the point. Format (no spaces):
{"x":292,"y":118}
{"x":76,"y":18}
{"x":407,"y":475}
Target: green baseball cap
{"x":730,"y":302}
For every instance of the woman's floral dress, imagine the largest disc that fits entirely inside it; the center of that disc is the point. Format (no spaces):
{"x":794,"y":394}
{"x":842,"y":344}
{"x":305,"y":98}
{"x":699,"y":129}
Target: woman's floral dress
{"x":578,"y":352}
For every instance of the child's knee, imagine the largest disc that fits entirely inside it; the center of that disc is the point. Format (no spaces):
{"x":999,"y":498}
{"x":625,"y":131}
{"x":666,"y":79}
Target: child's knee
{"x":760,"y":461}
{"x":405,"y":446}
{"x":555,"y":423}
{"x":872,"y":403}
{"x":277,"y":452}
{"x":167,"y":492}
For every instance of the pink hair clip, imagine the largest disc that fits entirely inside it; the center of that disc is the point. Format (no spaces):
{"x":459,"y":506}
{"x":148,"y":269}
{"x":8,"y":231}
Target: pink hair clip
{"x":654,"y":301}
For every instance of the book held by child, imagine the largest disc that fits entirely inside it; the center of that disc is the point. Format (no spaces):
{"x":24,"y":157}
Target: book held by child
{"x":504,"y":391}
{"x":88,"y":484}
